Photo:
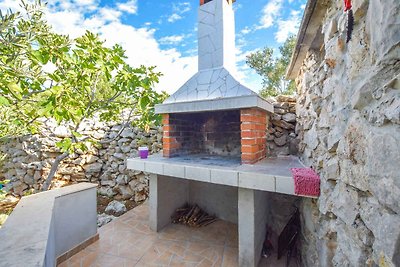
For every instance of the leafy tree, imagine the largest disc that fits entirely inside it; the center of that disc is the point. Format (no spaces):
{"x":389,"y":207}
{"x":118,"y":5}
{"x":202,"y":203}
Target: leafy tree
{"x":47,"y":75}
{"x":273,"y":69}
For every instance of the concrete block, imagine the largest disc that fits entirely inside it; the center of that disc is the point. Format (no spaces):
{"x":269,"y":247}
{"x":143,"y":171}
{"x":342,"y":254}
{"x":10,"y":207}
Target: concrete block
{"x":257,"y":181}
{"x":198,"y":174}
{"x":166,"y":194}
{"x":174,"y":170}
{"x":252,"y":218}
{"x":46,"y":225}
{"x":154,"y":167}
{"x":284,"y":185}
{"x":135,"y":164}
{"x":246,"y":227}
{"x":224,"y":177}
{"x":220,"y":200}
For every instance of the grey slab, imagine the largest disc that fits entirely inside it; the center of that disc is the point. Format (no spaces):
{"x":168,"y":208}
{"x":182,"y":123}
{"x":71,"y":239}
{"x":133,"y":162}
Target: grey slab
{"x":270,"y":174}
{"x":224,"y":177}
{"x":135,"y":164}
{"x":257,"y":181}
{"x":174,"y":170}
{"x":284,"y":185}
{"x":197,"y":174}
{"x":227,"y":103}
{"x":154,"y":167}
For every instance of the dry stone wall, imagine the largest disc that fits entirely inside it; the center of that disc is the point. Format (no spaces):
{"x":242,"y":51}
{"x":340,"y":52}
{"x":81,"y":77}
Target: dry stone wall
{"x":29,"y":158}
{"x":349,"y":126}
{"x":282,"y":138}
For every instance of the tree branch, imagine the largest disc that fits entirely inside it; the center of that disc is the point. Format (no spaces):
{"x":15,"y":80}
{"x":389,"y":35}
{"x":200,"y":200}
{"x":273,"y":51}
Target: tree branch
{"x":53,"y":170}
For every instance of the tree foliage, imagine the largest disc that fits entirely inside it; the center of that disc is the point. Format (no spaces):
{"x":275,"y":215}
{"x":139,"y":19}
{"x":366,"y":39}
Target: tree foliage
{"x":44,"y":74}
{"x":273,"y":69}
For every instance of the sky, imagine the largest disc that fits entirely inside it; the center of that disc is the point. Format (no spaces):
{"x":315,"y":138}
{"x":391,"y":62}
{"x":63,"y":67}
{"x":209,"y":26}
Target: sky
{"x":163,"y":33}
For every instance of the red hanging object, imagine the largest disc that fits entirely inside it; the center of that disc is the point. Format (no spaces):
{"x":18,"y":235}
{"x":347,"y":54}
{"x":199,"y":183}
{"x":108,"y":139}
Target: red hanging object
{"x":350,"y":19}
{"x":347,"y":5}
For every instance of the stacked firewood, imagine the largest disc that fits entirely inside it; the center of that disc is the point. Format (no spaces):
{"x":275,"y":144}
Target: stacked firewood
{"x":193,"y":216}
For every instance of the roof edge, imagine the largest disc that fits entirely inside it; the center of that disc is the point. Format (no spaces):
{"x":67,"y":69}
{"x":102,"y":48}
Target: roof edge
{"x":310,"y":29}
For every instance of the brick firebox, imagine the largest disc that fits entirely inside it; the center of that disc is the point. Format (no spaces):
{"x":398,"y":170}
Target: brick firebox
{"x":234,"y":133}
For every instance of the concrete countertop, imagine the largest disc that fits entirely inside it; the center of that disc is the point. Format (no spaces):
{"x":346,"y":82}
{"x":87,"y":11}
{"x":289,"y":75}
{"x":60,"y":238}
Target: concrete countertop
{"x":270,"y":174}
{"x":28,"y":233}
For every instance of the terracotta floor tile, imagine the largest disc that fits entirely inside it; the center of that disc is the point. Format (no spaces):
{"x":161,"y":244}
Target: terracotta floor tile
{"x":232,"y":237}
{"x":230,"y":258}
{"x":108,"y":261}
{"x":215,"y":233}
{"x":128,"y":241}
{"x":63,"y":264}
{"x":162,"y":252}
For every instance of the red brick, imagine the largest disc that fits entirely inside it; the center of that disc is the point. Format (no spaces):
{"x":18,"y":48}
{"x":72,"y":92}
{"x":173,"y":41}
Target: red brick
{"x":253,"y":111}
{"x":250,"y":149}
{"x":251,"y":156}
{"x":251,"y":118}
{"x":167,"y":139}
{"x":252,"y":126}
{"x":259,"y":135}
{"x":168,"y":128}
{"x":248,"y":134}
{"x":165,"y":119}
{"x":170,"y":146}
{"x":249,"y":141}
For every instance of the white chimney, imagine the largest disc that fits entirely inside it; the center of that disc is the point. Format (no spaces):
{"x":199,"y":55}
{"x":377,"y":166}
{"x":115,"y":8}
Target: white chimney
{"x":213,"y":87}
{"x":216,"y":35}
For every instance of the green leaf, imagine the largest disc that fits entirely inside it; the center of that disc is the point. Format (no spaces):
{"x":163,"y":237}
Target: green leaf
{"x":15,"y":90}
{"x":76,"y":134}
{"x":4,"y":101}
{"x":64,"y":145}
{"x":144,"y":101}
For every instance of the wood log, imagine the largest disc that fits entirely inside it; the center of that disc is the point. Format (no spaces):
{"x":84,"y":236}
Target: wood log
{"x":190,"y":213}
{"x":195,"y":213}
{"x":192,"y":216}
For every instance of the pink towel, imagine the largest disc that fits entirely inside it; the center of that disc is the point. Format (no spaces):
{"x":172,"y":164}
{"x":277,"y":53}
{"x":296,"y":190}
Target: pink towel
{"x":306,"y":182}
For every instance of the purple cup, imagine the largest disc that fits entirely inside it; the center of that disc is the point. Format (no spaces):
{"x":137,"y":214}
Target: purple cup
{"x":143,"y":152}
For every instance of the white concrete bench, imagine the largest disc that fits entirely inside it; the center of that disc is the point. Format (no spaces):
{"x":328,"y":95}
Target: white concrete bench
{"x":49,"y":225}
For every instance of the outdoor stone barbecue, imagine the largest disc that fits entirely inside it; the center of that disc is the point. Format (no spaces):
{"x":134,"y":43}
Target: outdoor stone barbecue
{"x":215,"y":143}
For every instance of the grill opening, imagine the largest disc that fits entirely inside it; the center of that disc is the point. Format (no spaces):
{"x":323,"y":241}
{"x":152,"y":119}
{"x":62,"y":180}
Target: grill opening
{"x":210,"y":133}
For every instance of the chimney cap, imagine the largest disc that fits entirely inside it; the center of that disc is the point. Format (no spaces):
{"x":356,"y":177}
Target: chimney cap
{"x":202,"y":2}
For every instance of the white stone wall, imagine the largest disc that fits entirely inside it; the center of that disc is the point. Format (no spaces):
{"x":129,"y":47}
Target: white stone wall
{"x":29,"y":160}
{"x":349,"y":126}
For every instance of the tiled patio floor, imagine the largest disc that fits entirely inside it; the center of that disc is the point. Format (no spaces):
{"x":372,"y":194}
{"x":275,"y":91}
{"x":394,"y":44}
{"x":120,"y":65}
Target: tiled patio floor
{"x":128,"y":241}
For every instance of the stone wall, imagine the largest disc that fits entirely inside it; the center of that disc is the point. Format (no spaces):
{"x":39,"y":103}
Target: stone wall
{"x":282,"y":139}
{"x":29,"y":159}
{"x":349,"y":126}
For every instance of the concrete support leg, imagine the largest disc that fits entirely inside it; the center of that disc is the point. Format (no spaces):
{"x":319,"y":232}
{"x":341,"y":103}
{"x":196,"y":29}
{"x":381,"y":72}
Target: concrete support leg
{"x":166,"y":194}
{"x":252,"y":220}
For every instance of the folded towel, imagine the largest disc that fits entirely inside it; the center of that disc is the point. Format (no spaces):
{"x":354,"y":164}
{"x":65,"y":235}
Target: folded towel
{"x":306,"y":182}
